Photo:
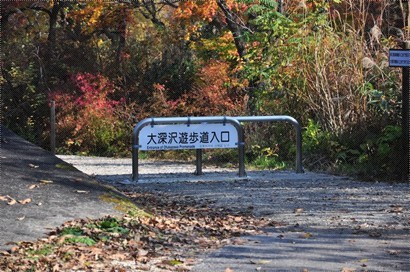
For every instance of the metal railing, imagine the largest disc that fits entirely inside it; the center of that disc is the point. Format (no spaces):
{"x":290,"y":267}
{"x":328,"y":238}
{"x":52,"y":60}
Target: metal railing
{"x":188,"y":120}
{"x":286,"y":119}
{"x":235,"y":121}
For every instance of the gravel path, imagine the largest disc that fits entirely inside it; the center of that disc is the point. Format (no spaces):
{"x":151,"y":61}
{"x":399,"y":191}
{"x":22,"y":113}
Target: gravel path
{"x":322,"y":222}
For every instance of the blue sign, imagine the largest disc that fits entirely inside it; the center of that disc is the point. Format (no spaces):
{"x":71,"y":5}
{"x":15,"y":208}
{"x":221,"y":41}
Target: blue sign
{"x":399,"y":57}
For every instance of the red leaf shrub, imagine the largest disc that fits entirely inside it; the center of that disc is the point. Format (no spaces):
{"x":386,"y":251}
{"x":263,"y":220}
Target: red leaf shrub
{"x":88,"y":119}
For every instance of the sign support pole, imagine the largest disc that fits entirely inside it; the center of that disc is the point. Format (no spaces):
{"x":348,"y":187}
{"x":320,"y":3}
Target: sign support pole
{"x":405,"y":118}
{"x":53,"y":127}
{"x":198,"y":162}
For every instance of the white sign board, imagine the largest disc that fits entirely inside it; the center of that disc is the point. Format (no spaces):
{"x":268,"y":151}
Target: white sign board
{"x":182,"y":136}
{"x":399,"y":57}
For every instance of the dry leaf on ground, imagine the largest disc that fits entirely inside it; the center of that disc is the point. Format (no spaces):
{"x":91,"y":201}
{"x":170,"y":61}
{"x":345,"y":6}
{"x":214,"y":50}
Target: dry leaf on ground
{"x":170,"y":239}
{"x":82,"y":192}
{"x":45,"y":181}
{"x":25,"y":201}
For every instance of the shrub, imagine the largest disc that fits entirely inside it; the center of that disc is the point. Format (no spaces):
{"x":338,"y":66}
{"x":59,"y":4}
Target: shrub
{"x":88,"y":119}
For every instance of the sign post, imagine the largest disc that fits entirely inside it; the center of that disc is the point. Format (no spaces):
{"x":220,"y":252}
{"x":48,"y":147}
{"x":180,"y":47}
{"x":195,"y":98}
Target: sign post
{"x":53,"y":127}
{"x":401,"y":58}
{"x":405,"y":110}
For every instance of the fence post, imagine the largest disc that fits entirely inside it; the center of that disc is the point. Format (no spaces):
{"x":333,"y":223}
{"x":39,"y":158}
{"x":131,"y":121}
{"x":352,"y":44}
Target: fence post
{"x":53,"y":127}
{"x":198,"y":162}
{"x":406,"y":118}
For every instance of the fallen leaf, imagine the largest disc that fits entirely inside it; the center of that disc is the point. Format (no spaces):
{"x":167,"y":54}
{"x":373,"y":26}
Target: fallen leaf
{"x":62,"y":239}
{"x":393,"y":252}
{"x":363,"y":260}
{"x":33,"y":186}
{"x":190,"y":261}
{"x":375,"y":234}
{"x":82,"y":192}
{"x":4,"y":198}
{"x":396,"y":209}
{"x":21,"y":218}
{"x":45,"y":181}
{"x":228,"y":270}
{"x":298,"y":210}
{"x":12,"y":201}
{"x":260,"y":262}
{"x":142,"y":252}
{"x":118,"y":256}
{"x":276,"y":224}
{"x":25,"y":201}
{"x":4,"y":253}
{"x":174,"y":262}
{"x":14,"y":249}
{"x":32,"y":165}
{"x":306,"y":235}
{"x":56,"y":267}
{"x":345,"y":269}
{"x":65,"y":166}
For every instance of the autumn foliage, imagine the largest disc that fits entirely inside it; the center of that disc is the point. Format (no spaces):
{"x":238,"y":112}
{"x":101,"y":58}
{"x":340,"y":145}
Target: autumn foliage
{"x":108,"y":65}
{"x":88,"y":118}
{"x":214,"y":93}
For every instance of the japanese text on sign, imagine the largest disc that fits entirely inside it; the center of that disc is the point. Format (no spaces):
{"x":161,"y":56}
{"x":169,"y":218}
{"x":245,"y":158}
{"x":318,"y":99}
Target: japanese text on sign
{"x":399,"y":58}
{"x":194,"y":136}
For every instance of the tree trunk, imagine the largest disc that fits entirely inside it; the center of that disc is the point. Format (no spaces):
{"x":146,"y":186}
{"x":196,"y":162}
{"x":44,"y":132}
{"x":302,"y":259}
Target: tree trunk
{"x":52,"y":29}
{"x":237,"y":30}
{"x":234,"y":27}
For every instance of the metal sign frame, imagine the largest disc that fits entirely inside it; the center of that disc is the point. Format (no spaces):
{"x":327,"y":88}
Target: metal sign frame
{"x":188,"y":120}
{"x":286,"y":119}
{"x":235,"y":121}
{"x":183,"y":136}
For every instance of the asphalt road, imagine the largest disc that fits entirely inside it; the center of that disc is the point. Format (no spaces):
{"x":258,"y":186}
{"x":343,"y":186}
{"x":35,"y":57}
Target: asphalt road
{"x":323,"y":222}
{"x":50,"y":191}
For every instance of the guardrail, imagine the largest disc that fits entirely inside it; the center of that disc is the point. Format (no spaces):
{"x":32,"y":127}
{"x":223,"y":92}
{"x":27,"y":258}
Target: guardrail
{"x":188,"y":120}
{"x":235,"y":121}
{"x":286,"y":119}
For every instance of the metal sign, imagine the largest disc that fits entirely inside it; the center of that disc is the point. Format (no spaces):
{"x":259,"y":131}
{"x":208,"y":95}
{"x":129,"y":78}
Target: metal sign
{"x":183,"y":136}
{"x":399,"y":57}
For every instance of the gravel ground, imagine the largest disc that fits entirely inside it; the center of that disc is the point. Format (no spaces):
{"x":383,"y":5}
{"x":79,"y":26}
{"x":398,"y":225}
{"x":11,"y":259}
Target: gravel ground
{"x":322,"y":222}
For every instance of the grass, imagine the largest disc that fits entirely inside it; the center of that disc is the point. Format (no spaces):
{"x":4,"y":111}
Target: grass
{"x":270,"y":163}
{"x":41,"y":252}
{"x":80,"y":240}
{"x":65,"y":166}
{"x":125,"y":205}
